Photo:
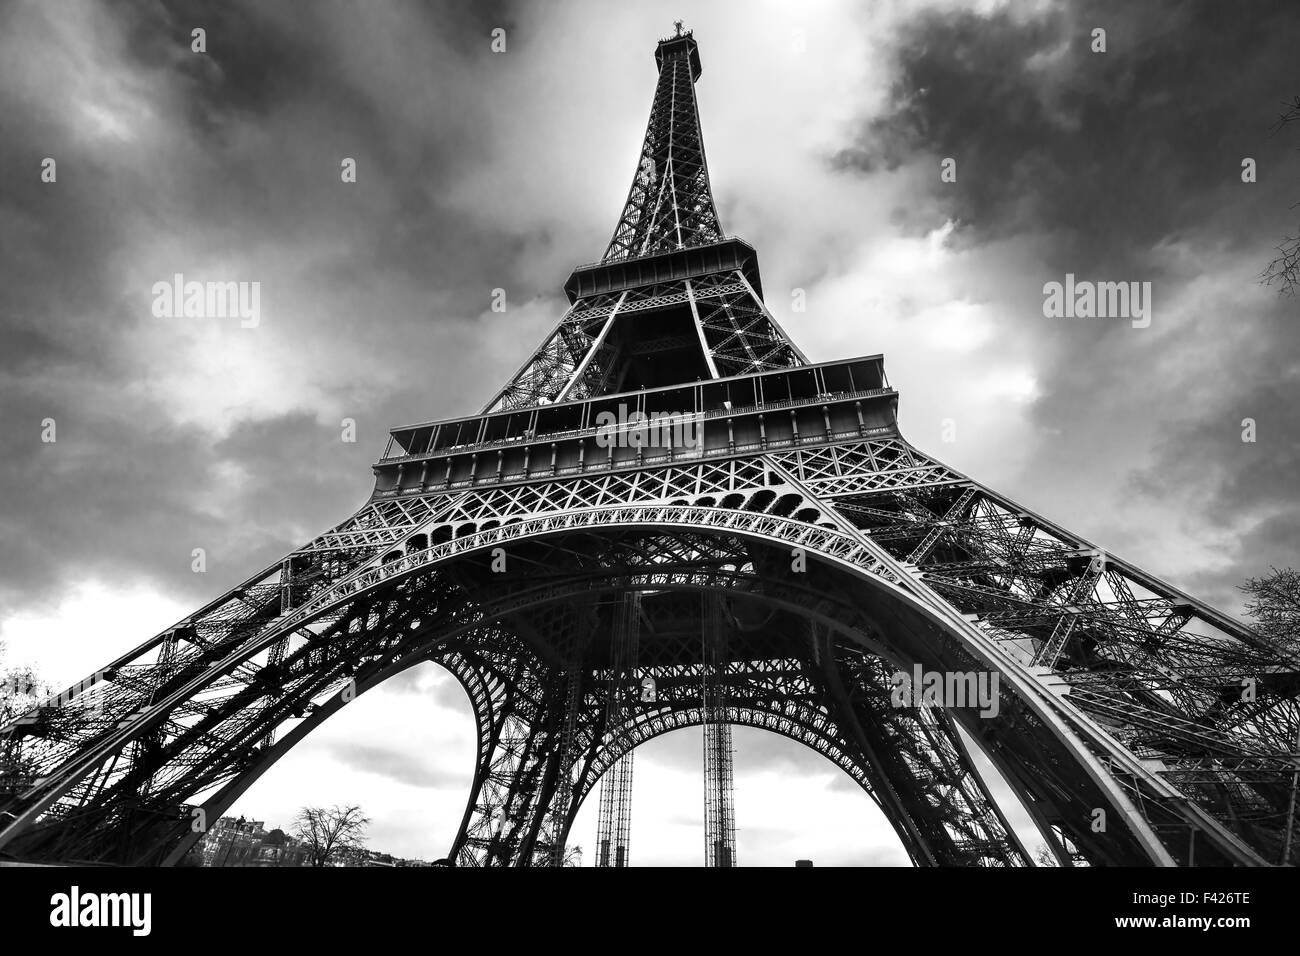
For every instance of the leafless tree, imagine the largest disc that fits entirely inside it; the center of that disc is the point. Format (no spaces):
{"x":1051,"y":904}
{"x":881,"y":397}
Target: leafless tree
{"x":1285,"y":269}
{"x":21,"y":689}
{"x":330,"y":832}
{"x":1275,"y":605}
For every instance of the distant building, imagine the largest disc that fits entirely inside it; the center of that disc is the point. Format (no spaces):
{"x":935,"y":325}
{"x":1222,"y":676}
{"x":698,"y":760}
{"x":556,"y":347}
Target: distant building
{"x":281,"y":850}
{"x":241,"y":842}
{"x":364,"y":857}
{"x":231,"y":842}
{"x":803,"y":863}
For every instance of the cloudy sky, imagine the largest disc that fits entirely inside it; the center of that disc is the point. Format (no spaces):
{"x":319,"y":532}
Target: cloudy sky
{"x":826,"y":125}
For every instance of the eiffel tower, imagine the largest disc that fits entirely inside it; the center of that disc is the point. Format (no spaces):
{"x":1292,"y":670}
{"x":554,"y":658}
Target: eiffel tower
{"x":776,"y":563}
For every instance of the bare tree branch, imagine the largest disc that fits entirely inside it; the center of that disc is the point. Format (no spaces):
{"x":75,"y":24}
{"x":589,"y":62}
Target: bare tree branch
{"x":21,"y":690}
{"x":1289,"y":115}
{"x":1275,"y":606}
{"x":1285,"y":269}
{"x":330,"y":832}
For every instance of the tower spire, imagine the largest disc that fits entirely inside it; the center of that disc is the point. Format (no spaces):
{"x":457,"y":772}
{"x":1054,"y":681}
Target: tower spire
{"x":670,"y":205}
{"x":672,"y":302}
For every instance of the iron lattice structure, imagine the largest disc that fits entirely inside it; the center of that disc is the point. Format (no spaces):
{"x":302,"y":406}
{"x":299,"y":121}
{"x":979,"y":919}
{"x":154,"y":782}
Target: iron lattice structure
{"x":784,"y":567}
{"x":613,"y":830}
{"x":719,"y":780}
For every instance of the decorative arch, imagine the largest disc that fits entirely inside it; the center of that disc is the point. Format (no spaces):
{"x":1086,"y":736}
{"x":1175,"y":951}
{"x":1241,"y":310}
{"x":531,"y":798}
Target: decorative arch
{"x":894,"y":605}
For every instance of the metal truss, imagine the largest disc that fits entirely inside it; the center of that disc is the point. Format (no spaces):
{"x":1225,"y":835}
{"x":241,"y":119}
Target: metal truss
{"x":625,"y":690}
{"x":593,"y":349}
{"x":1198,"y":699}
{"x":719,"y":777}
{"x":739,"y":333}
{"x":207,"y":704}
{"x":670,"y":204}
{"x":569,"y":349}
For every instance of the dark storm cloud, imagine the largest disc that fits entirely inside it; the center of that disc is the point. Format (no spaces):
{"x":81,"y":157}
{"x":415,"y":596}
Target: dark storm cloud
{"x":317,"y":81}
{"x":1249,"y":488}
{"x":1125,"y":165}
{"x":210,"y":157}
{"x":1116,"y":150}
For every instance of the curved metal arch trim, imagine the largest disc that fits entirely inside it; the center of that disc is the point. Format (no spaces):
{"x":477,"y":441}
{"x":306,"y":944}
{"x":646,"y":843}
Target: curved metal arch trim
{"x":665,"y":722}
{"x":366,"y":580}
{"x":220,"y":802}
{"x":216,"y":805}
{"x":879,"y":569}
{"x":873,"y":570}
